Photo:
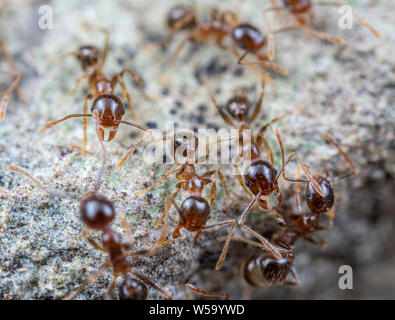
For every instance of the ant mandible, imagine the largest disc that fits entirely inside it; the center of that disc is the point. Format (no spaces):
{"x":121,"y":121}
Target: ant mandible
{"x":97,"y":213}
{"x":14,"y":85}
{"x":194,"y":211}
{"x":303,"y":12}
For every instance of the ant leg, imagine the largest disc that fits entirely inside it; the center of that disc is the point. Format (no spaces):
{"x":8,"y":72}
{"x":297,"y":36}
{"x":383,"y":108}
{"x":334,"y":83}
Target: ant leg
{"x":85,"y":111}
{"x":222,"y":113}
{"x":350,"y":163}
{"x":110,"y":291}
{"x":222,"y":179}
{"x":298,"y":192}
{"x":261,"y":140}
{"x":168,"y":205}
{"x":167,"y":175}
{"x":77,"y":83}
{"x":358,"y":19}
{"x":90,"y":279}
{"x":305,"y":169}
{"x":132,"y":149}
{"x":257,"y":108}
{"x":222,"y":258}
{"x":151,"y":284}
{"x":206,"y":293}
{"x":240,"y":179}
{"x":139,"y":81}
{"x":262,"y":62}
{"x":41,"y":186}
{"x":11,"y":66}
{"x":165,"y":216}
{"x":118,"y":79}
{"x":4,"y":103}
{"x":51,"y":124}
{"x":105,"y":49}
{"x":321,"y":35}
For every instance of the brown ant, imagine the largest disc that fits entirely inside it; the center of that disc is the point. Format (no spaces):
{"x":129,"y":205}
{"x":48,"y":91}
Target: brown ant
{"x":14,"y":85}
{"x":318,"y":203}
{"x":101,"y":90}
{"x":195,"y":210}
{"x":302,"y":11}
{"x":221,"y":25}
{"x":97,"y":213}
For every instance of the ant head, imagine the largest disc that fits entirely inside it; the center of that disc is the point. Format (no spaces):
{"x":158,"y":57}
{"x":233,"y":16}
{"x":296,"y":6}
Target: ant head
{"x":238,"y":107}
{"x":260,"y":177}
{"x":96,"y":211}
{"x":88,"y":56}
{"x":181,"y":18}
{"x":194,"y":212}
{"x":297,"y":6}
{"x":110,"y":109}
{"x":185,"y":145}
{"x":132,"y":289}
{"x":315,"y":201}
{"x":248,"y":37}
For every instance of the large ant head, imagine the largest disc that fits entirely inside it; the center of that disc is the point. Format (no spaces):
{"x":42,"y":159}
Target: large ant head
{"x":181,"y":18}
{"x":110,"y":109}
{"x":88,"y":56}
{"x":96,"y":211}
{"x":238,"y":107}
{"x":185,"y":145}
{"x":248,"y":37}
{"x":194,"y":212}
{"x":132,"y":289}
{"x":260,"y":177}
{"x":315,"y":201}
{"x":297,"y":6}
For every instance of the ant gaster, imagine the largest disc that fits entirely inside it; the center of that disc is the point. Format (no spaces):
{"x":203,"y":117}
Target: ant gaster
{"x":97,"y":213}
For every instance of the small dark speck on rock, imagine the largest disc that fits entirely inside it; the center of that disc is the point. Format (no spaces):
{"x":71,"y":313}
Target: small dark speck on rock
{"x":165,"y":91}
{"x":151,"y":124}
{"x":130,"y":52}
{"x":179,"y":104}
{"x":238,"y":72}
{"x":173,"y":111}
{"x":202,"y":108}
{"x":212,"y":126}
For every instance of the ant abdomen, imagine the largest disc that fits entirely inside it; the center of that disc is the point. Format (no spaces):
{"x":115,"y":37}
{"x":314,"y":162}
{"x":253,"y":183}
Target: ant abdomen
{"x":260,"y":177}
{"x":181,"y":18}
{"x":264,"y":270}
{"x":132,"y":289}
{"x":96,"y":211}
{"x":315,"y":201}
{"x":194,"y":212}
{"x":88,"y":56}
{"x":248,"y":37}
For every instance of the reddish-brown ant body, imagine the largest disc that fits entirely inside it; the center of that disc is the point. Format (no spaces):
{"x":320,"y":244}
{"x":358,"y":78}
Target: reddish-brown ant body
{"x":101,"y":90}
{"x":221,"y":25}
{"x":194,"y":211}
{"x":303,"y":13}
{"x":97,"y":213}
{"x":14,"y":85}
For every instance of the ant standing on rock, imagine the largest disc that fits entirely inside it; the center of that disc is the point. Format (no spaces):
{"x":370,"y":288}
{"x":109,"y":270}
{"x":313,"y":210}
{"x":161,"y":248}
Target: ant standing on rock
{"x":97,"y":213}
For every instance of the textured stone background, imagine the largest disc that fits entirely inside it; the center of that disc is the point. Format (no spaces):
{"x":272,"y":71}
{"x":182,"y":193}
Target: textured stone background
{"x":348,"y":91}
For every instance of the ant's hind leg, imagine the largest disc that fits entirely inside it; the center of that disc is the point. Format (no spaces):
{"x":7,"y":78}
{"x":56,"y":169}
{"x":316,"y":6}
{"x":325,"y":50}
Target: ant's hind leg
{"x":151,"y":284}
{"x":206,"y":293}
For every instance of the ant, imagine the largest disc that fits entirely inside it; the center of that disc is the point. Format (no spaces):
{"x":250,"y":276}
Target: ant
{"x":194,"y":211}
{"x":221,"y":25}
{"x":97,"y":213}
{"x":14,"y":85}
{"x":318,"y":203}
{"x":101,"y":90}
{"x":303,"y":12}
